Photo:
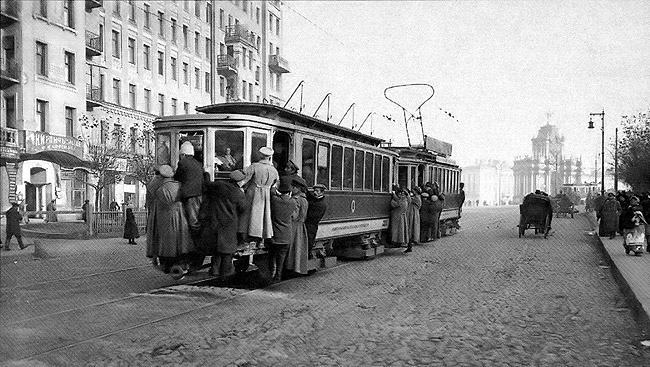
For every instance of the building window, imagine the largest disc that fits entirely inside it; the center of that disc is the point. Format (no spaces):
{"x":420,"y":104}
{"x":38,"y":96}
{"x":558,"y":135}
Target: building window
{"x":185,"y":35}
{"x":186,"y":74}
{"x":245,"y":6}
{"x":222,"y":86}
{"x":79,"y":188}
{"x":147,"y":17}
{"x":133,"y":138}
{"x":174,"y":35}
{"x":161,"y":24}
{"x":69,"y":121}
{"x":161,"y":63}
{"x":186,"y":5}
{"x":116,"y":9}
{"x":116,"y":91}
{"x":243,"y":57}
{"x":271,"y":22}
{"x":174,"y":71}
{"x":161,"y":104}
{"x":197,"y":9}
{"x":132,"y":10}
{"x":243,"y":89}
{"x":257,"y":15}
{"x":277,"y":26}
{"x":250,"y":59}
{"x":68,"y":13}
{"x":208,"y":47}
{"x":250,"y":91}
{"x":186,"y":108}
{"x":207,"y":82}
{"x":197,"y":78}
{"x":42,"y":9}
{"x":116,"y":43}
{"x":103,"y":132}
{"x":222,"y":19}
{"x":10,"y":111}
{"x":208,"y":13}
{"x":69,"y":67}
{"x":117,"y":136}
{"x":131,"y":46}
{"x":147,"y":100}
{"x":41,"y":58}
{"x":146,"y":50}
{"x":132,"y":98}
{"x":41,"y":113}
{"x":174,"y":106}
{"x":197,"y":39}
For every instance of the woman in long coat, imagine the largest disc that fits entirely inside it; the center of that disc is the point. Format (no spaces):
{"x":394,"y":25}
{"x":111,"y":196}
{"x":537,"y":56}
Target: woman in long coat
{"x":260,"y":176}
{"x":171,"y":226}
{"x":414,"y":216}
{"x":298,"y":257}
{"x":438,"y":205}
{"x":150,"y":203}
{"x":398,"y":220}
{"x":609,"y":213}
{"x":426,"y":218}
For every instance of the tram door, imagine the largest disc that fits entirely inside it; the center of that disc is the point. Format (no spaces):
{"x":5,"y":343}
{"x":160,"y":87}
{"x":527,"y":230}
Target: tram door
{"x":281,"y":149}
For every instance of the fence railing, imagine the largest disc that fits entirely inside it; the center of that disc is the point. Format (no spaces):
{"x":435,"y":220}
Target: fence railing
{"x":70,"y":222}
{"x":105,"y":222}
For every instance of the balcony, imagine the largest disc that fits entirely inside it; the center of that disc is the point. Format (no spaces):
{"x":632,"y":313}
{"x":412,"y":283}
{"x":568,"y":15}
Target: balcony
{"x":8,"y":13}
{"x":92,"y":4}
{"x":226,"y":65}
{"x":9,"y":73}
{"x":94,"y":46}
{"x":278,"y":64}
{"x":237,"y":33}
{"x":94,"y":96}
{"x":9,"y":144}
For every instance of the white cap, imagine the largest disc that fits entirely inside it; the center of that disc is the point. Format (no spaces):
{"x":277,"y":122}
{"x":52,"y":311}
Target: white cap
{"x":266,"y":151}
{"x":187,"y":148}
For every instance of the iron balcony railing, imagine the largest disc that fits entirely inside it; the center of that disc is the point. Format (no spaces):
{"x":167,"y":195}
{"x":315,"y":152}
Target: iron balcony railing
{"x":91,"y":4}
{"x":10,"y":8}
{"x":278,"y":63}
{"x":238,"y":33}
{"x":10,"y":69}
{"x":226,"y":61}
{"x":8,"y":137}
{"x":94,"y":42}
{"x":94,"y":93}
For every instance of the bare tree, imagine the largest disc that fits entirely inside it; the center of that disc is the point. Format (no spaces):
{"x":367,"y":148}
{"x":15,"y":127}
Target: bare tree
{"x":634,"y":151}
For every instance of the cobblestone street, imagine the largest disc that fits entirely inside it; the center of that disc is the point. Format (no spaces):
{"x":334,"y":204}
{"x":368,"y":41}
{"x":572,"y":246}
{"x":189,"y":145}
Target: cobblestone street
{"x":483,"y":297}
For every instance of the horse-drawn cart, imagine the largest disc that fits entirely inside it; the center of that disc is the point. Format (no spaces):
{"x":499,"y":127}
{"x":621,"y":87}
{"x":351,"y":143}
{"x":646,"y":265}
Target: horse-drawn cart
{"x":535,"y":213}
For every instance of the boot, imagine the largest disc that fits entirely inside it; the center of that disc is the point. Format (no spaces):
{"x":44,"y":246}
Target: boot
{"x":408,"y":249}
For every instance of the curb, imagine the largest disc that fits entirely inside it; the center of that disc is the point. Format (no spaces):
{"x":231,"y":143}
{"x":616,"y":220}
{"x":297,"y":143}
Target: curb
{"x":638,"y":311}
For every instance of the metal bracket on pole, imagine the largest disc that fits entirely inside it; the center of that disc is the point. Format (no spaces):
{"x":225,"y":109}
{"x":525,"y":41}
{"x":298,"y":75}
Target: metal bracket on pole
{"x":300,"y":85}
{"x":345,"y":114}
{"x":327,"y":97}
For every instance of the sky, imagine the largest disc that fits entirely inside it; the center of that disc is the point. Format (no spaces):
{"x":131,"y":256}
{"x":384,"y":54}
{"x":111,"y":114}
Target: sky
{"x":502,"y":69}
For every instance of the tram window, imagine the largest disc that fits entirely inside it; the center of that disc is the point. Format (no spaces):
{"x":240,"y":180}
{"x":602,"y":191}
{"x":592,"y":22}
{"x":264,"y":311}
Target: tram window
{"x":385,"y":173}
{"x":258,"y":141}
{"x":308,"y":154}
{"x":348,"y":168}
{"x":196,"y":138}
{"x":337,"y":169}
{"x":228,"y":150}
{"x":368,"y":176}
{"x":163,"y":155}
{"x":377,"y":181}
{"x":402,"y":176}
{"x":430,"y":177}
{"x":358,"y":170}
{"x":322,"y":176}
{"x":412,"y":181}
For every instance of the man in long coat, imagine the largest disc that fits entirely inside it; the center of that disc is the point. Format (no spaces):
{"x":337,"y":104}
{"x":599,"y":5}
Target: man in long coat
{"x":171,"y":226}
{"x":13,"y":226}
{"x":225,"y":203}
{"x":298,"y":259}
{"x":150,"y":204}
{"x":609,"y":216}
{"x":398,"y":220}
{"x":260,"y":176}
{"x":190,"y":174}
{"x":414,"y":216}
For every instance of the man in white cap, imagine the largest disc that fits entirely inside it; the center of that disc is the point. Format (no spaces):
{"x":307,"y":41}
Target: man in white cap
{"x":190,"y":174}
{"x":260,"y":176}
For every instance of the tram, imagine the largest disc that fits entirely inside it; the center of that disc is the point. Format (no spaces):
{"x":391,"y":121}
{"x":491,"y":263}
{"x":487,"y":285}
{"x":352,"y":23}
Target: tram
{"x":357,"y":169}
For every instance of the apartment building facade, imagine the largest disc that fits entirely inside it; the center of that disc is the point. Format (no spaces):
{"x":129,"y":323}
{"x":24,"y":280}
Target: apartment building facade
{"x":76,"y":73}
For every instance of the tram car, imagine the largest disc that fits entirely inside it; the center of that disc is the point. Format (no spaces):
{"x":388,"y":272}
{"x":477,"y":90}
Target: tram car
{"x":431,"y":162}
{"x":357,"y":169}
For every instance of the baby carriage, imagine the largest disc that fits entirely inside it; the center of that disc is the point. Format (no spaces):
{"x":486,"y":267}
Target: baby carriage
{"x":634,"y":238}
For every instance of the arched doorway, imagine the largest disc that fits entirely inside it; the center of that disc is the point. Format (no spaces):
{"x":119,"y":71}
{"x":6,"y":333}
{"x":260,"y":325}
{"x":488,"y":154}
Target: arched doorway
{"x":37,"y":191}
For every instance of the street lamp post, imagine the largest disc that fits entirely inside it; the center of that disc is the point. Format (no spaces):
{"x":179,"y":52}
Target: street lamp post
{"x":602,"y":156}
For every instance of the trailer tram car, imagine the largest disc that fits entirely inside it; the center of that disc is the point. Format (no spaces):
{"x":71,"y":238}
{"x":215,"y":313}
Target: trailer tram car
{"x":356,"y":170}
{"x":418,"y":165}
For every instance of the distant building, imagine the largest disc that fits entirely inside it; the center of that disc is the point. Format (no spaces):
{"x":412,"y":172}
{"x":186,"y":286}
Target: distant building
{"x":488,"y":182}
{"x":548,"y":169}
{"x":98,"y":68}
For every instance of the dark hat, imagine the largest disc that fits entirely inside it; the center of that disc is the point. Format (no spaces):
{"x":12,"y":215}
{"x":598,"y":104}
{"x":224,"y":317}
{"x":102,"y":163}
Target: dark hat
{"x":237,"y":175}
{"x":298,"y":181}
{"x":285,"y":184}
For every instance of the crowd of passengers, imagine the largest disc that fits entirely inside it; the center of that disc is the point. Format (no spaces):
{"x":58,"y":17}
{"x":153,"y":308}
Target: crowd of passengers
{"x":191,"y":216}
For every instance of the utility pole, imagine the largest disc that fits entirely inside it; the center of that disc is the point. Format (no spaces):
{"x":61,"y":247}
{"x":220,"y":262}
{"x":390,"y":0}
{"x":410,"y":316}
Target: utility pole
{"x":616,"y":162}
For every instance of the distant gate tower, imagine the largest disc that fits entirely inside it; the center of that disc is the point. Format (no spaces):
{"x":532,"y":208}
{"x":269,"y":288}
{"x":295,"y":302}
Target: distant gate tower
{"x":548,"y":169}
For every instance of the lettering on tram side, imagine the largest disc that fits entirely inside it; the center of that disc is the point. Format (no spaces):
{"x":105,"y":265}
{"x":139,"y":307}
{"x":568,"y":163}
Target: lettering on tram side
{"x":351,"y":226}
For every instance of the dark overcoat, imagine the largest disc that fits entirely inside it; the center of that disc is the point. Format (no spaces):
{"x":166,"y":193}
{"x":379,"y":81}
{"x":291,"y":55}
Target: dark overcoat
{"x":225,"y":203}
{"x":171,"y":226}
{"x":399,"y":220}
{"x":13,"y":221}
{"x":190,"y":174}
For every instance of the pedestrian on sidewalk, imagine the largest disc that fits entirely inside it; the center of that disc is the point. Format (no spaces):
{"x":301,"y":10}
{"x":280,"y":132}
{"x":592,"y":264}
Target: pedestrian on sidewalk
{"x":131,"y":227}
{"x":609,"y":216}
{"x":51,"y":215}
{"x":13,"y":227}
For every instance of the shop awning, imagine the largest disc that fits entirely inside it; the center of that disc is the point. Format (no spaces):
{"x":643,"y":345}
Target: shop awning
{"x":65,"y":160}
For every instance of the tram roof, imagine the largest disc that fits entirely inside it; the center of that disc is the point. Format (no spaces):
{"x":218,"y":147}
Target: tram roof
{"x":270,"y":111}
{"x":422,"y":154}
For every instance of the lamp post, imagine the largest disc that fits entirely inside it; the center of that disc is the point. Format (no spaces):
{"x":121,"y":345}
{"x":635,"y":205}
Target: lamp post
{"x":602,"y":153}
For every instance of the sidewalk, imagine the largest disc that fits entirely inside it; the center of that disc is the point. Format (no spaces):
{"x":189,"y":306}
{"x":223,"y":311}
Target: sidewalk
{"x":631,"y":272}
